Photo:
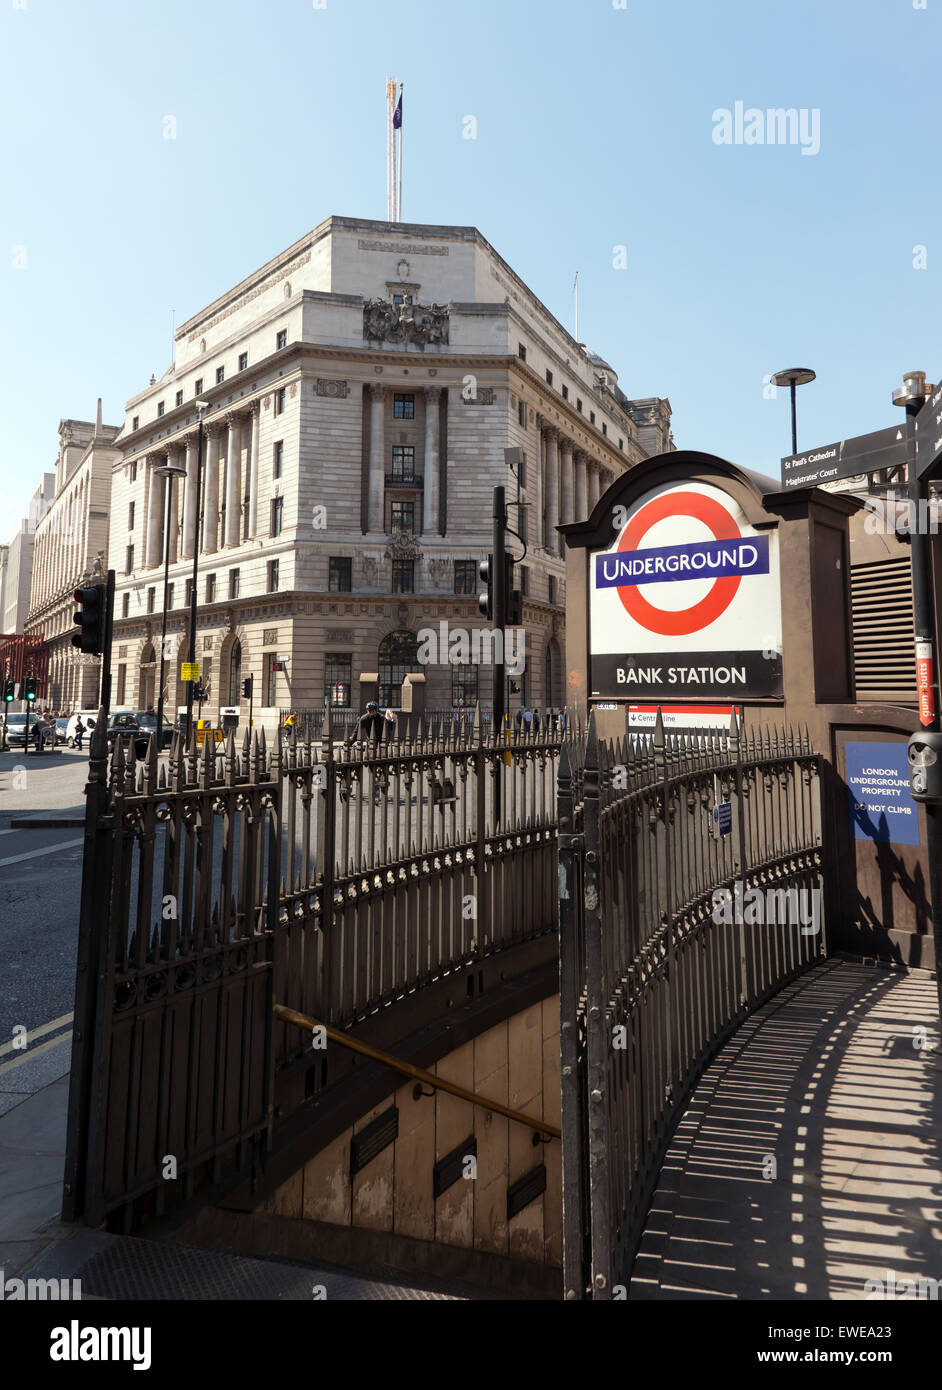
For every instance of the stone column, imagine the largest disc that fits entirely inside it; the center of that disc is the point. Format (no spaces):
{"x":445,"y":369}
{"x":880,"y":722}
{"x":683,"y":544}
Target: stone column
{"x":189,"y":500}
{"x":593,"y":484}
{"x":174,"y":457}
{"x":551,"y":434}
{"x":152,"y":553}
{"x":377,"y":458}
{"x":535,"y":491}
{"x":566,"y":486}
{"x":254,"y":411}
{"x":210,"y":497}
{"x":234,"y":481}
{"x":581,"y":494}
{"x":432,"y":401}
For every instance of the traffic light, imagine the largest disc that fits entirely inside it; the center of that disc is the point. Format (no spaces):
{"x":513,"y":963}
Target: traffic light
{"x":512,"y":597}
{"x":29,"y":689}
{"x":91,"y":619}
{"x":9,"y":691}
{"x":486,"y":601}
{"x":200,"y":693}
{"x":247,"y":688}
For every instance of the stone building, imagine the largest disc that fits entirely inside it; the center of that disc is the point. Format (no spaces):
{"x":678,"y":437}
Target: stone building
{"x":71,"y":546}
{"x":16,"y":560}
{"x":360,"y":391}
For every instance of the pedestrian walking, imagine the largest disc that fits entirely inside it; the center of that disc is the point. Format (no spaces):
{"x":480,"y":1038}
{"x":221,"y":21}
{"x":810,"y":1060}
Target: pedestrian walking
{"x":79,"y":733}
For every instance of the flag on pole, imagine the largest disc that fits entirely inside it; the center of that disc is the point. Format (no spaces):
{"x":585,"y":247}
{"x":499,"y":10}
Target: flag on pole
{"x":397,"y":114}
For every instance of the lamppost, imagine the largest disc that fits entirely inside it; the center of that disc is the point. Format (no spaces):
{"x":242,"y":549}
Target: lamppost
{"x":202,"y":407}
{"x":168,"y":471}
{"x":792,"y":377}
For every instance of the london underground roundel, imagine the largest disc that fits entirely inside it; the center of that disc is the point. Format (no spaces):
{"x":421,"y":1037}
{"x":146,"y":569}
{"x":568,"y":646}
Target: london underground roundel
{"x":686,"y":601}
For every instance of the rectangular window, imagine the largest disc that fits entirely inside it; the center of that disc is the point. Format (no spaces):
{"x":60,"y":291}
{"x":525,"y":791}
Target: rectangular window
{"x":243,"y":361}
{"x":591,"y":417}
{"x":179,"y":398}
{"x":521,"y":414}
{"x":122,"y":684}
{"x":521,"y":352}
{"x":403,"y":576}
{"x":523,"y":580}
{"x":273,"y":576}
{"x":464,"y":686}
{"x":220,"y":375}
{"x":169,"y":597}
{"x":280,"y":401}
{"x":466,"y":577}
{"x":402,"y":517}
{"x":130,"y":516}
{"x":552,"y":588}
{"x":549,"y":378}
{"x":565,"y":393}
{"x":189,"y":592}
{"x":233,"y":583}
{"x":129,"y":560}
{"x":160,"y":408}
{"x":277,"y":515}
{"x":151,"y":599}
{"x":403,"y":462}
{"x":210,"y":588}
{"x":270,"y":678}
{"x":522,"y":473}
{"x":338,"y":678}
{"x":198,"y":386}
{"x":578,"y":405}
{"x":125,"y":606}
{"x":604,"y":428}
{"x":134,"y":470}
{"x":621,"y":444}
{"x":340,"y":575}
{"x":281,"y":338}
{"x":135,"y":422}
{"x":403,"y":406}
{"x":278,"y":458}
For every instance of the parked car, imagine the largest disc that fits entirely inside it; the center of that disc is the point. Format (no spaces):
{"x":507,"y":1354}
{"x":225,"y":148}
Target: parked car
{"x":125,"y":728}
{"x":16,"y":731}
{"x":148,"y":721}
{"x":89,"y":718}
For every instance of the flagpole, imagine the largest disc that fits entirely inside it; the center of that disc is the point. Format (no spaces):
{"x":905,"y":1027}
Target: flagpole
{"x":401,"y":126}
{"x":390,"y":151}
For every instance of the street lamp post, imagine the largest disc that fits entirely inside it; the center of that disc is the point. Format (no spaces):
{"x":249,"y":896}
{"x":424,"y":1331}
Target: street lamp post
{"x":201,"y":406}
{"x":792,"y":377}
{"x":169,"y":471}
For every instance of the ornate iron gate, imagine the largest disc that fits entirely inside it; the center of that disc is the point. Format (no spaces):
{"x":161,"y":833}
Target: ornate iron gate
{"x":675,"y":923}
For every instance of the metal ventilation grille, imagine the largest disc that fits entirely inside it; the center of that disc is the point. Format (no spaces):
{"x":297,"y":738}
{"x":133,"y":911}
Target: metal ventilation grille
{"x":884,"y":647}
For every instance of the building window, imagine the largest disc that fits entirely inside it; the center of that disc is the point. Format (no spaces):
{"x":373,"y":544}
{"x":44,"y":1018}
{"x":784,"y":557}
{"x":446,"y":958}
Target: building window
{"x":403,"y":406}
{"x":402,"y":517}
{"x":220,"y":375}
{"x":233,"y":583}
{"x":604,"y":428}
{"x":189,"y":592}
{"x":280,"y":401}
{"x":125,"y":605}
{"x":398,"y":657}
{"x":552,"y":588}
{"x":122,"y":684}
{"x":521,"y":352}
{"x":160,"y":408}
{"x":403,"y":576}
{"x":521,"y":414}
{"x":524,"y":580}
{"x":403,"y":462}
{"x":578,"y":405}
{"x":273,"y":576}
{"x":464,"y":686}
{"x":521,"y":473}
{"x":129,"y":560}
{"x":466,"y":577}
{"x":169,"y":597}
{"x":179,"y":398}
{"x":243,"y":361}
{"x":198,"y":386}
{"x":151,"y":599}
{"x":340,"y":575}
{"x":277,"y":515}
{"x":134,"y":468}
{"x":130,"y":516}
{"x":565,"y":393}
{"x":210,"y":588}
{"x":277,"y":458}
{"x":591,"y":417}
{"x":281,"y":338}
{"x":549,"y":378}
{"x":338,"y":678}
{"x":270,"y":677}
{"x":621,"y":444}
{"x":135,"y":422}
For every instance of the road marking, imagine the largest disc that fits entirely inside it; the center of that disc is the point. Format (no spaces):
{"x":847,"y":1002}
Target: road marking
{"x":37,"y":1033}
{"x":35,"y":853}
{"x":35,"y":1052}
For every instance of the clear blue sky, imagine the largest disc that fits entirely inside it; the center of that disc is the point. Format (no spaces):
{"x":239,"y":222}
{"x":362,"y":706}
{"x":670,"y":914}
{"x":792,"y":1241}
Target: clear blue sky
{"x":595,"y":129}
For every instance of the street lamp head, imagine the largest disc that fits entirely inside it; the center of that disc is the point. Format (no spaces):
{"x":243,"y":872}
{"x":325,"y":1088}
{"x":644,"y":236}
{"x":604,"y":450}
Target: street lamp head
{"x":793,"y":376}
{"x":170,"y":470}
{"x":201,"y":405}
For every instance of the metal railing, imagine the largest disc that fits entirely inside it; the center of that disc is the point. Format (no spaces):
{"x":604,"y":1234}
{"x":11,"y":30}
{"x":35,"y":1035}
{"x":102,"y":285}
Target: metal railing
{"x":674,"y":925}
{"x":335,"y":879}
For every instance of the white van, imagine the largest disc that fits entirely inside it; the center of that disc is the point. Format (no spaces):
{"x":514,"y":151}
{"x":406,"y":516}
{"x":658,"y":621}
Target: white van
{"x":89,"y":718}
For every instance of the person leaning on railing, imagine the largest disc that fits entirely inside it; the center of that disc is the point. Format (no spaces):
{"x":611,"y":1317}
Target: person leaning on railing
{"x":371,"y":727}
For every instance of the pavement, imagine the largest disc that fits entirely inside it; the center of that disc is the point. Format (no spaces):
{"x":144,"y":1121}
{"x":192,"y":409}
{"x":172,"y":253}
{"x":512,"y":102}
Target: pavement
{"x":808,"y":1163}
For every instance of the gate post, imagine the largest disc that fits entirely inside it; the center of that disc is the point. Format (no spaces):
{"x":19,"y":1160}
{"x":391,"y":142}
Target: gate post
{"x":572,"y":1079}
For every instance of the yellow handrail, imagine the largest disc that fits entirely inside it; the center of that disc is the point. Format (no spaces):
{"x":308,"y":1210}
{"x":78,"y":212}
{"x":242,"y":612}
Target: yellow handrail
{"x":344,"y":1039}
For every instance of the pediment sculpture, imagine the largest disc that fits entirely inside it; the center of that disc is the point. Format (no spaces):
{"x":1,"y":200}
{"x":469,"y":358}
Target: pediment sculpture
{"x":418,"y":324}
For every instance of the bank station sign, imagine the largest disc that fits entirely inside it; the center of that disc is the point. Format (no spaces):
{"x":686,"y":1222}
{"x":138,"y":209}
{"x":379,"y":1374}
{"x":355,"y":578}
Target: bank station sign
{"x":685,"y":603}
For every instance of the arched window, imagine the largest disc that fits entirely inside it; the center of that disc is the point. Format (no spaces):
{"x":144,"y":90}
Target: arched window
{"x":397,"y":658}
{"x":235,"y":672}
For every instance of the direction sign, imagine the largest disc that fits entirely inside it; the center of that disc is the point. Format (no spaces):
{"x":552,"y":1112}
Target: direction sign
{"x":929,"y":433}
{"x":866,"y":453}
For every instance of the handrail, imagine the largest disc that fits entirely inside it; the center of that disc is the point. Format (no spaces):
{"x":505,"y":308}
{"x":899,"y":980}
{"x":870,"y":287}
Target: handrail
{"x":289,"y":1016}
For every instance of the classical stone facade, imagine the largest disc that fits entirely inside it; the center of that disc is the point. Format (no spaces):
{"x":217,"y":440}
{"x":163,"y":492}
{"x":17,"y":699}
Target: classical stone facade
{"x":16,"y":560}
{"x":71,"y":546}
{"x":361,"y":389}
